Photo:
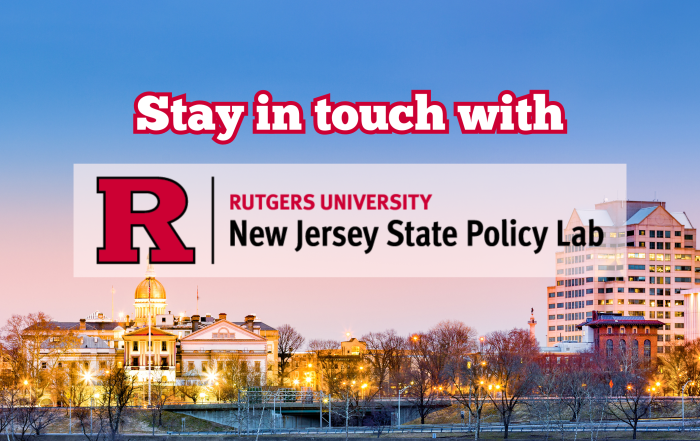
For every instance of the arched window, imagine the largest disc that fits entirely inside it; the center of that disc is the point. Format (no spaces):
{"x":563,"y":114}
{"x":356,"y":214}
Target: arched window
{"x":622,"y":329}
{"x":609,"y":348}
{"x":646,"y":330}
{"x":647,"y":349}
{"x":634,"y":330}
{"x":623,"y":347}
{"x":635,"y":347}
{"x":609,"y":330}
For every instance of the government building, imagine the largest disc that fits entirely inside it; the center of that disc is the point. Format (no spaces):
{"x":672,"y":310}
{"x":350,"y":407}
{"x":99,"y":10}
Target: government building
{"x":175,"y":348}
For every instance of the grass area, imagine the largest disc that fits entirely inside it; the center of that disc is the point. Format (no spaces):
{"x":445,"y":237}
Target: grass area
{"x":139,"y":421}
{"x":525,"y":413}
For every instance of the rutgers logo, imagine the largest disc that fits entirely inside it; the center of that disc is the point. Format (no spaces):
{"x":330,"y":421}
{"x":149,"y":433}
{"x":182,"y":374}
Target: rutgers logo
{"x":120,"y":218}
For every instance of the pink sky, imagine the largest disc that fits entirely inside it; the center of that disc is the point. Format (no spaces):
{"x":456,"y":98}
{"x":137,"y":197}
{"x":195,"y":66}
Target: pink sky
{"x":37,"y":274}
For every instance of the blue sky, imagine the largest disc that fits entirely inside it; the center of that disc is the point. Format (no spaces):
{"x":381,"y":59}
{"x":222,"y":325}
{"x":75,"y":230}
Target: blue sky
{"x":626,"y":72}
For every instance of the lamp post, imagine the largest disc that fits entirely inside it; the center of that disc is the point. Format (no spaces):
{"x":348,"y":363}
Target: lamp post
{"x":683,"y":402}
{"x":398,"y":419}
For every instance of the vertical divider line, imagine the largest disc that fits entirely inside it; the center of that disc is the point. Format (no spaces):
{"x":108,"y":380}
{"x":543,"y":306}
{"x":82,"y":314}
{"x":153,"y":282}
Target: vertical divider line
{"x":212,"y":220}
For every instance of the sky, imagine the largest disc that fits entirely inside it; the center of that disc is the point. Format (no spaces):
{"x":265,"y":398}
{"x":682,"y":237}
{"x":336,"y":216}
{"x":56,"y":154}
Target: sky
{"x":626,"y":73}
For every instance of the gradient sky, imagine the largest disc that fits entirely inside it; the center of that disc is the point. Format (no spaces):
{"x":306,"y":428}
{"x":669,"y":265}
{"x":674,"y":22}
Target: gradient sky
{"x":626,"y":72}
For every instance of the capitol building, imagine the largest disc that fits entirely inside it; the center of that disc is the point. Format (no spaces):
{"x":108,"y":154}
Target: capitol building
{"x":178,"y":348}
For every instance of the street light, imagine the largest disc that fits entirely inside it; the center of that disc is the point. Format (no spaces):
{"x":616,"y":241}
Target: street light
{"x":399,"y":409}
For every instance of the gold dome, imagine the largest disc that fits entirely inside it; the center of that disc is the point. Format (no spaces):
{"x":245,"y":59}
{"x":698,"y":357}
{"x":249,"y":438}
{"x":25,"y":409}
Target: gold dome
{"x":157,"y":290}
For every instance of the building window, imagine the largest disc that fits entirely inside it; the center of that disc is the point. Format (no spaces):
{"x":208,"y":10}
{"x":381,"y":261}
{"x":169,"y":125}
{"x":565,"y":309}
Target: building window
{"x":647,"y":349}
{"x":135,"y":346}
{"x":623,"y":347}
{"x":163,"y":346}
{"x":609,"y":330}
{"x":609,"y":347}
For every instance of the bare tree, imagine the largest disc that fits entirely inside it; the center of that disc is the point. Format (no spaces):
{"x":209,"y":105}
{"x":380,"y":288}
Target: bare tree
{"x":379,"y":418}
{"x":332,"y":368}
{"x":190,"y":386}
{"x":10,"y":400}
{"x":574,"y":378}
{"x":382,"y":354}
{"x":447,"y":341}
{"x":117,"y":390}
{"x":469,"y":376}
{"x":290,"y":341}
{"x":161,"y":392}
{"x":419,"y":375}
{"x":544,"y":406}
{"x":511,"y":356}
{"x":93,"y":422}
{"x":631,"y":395}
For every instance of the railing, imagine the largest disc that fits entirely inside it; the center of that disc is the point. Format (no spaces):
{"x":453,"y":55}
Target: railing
{"x":149,"y":368}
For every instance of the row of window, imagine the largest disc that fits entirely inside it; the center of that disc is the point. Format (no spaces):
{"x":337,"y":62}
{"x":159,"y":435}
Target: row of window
{"x":578,"y":305}
{"x":658,"y":234}
{"x":658,"y":245}
{"x":623,"y":347}
{"x":652,"y":303}
{"x":652,"y":314}
{"x":135,"y":345}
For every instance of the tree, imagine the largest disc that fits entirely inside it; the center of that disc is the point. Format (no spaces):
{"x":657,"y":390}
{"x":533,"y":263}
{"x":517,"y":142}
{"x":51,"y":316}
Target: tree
{"x":511,"y":356}
{"x":10,"y":400}
{"x":190,"y":386}
{"x":333,"y":369}
{"x":290,"y":341}
{"x":117,"y":390}
{"x":234,"y":375}
{"x":447,"y":341}
{"x":574,"y":378}
{"x":631,"y":392}
{"x":679,"y":365}
{"x":383,"y":353}
{"x":469,"y":376}
{"x":379,"y":418}
{"x":419,"y":375}
{"x":161,"y":393}
{"x":33,"y":346}
{"x":71,"y":387}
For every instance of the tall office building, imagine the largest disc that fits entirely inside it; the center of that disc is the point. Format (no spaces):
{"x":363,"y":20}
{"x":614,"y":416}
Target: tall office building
{"x":647,"y":259}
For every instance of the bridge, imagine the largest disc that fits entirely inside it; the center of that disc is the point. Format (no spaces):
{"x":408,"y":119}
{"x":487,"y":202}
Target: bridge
{"x":297,"y":410}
